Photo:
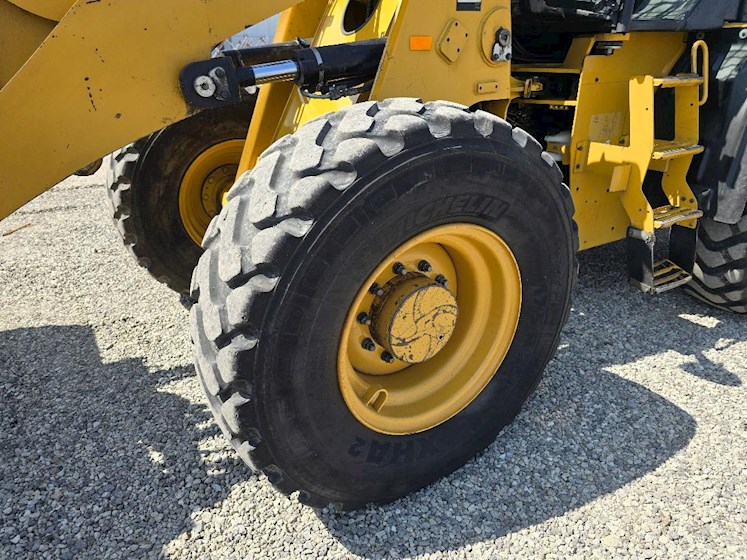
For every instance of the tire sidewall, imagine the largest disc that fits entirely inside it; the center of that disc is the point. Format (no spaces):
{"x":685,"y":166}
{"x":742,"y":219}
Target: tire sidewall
{"x":155,"y":187}
{"x":301,"y":413}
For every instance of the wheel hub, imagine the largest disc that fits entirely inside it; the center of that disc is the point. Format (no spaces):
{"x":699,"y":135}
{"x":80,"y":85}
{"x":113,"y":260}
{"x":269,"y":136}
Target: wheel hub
{"x":429,"y":328}
{"x":414,"y":319}
{"x":204,"y":183}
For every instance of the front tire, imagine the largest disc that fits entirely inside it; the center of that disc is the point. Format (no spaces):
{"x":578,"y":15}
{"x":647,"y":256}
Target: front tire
{"x":301,"y":236}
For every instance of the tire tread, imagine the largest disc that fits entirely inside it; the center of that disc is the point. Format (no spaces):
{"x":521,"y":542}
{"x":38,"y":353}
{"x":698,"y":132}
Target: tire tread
{"x":720,"y":273}
{"x":290,"y":187}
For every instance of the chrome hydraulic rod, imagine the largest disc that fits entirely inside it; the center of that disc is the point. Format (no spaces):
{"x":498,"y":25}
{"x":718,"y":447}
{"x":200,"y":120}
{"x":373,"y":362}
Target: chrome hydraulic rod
{"x":281,"y":71}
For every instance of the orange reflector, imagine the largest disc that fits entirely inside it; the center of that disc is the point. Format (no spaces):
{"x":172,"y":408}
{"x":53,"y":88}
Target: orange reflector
{"x":421,"y":43}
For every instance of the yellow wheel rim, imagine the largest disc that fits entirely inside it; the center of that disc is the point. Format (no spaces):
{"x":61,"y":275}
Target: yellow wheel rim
{"x":429,"y":329}
{"x":205,"y":182}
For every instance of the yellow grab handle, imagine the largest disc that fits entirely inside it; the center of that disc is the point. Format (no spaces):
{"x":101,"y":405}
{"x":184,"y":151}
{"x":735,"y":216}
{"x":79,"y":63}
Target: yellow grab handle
{"x":702,"y":46}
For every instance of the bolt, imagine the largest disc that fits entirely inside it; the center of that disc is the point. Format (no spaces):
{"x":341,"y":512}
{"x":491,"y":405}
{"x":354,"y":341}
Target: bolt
{"x":503,"y":36}
{"x":387,"y":357}
{"x":364,"y":319}
{"x":424,"y":266}
{"x":204,"y":86}
{"x":368,"y":344}
{"x":399,"y":268}
{"x":441,"y":279}
{"x":376,"y":290}
{"x":743,"y":34}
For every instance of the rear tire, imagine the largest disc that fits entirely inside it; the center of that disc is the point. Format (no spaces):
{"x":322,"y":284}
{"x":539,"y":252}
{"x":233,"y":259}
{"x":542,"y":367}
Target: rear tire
{"x":720,"y":273}
{"x":144,"y":181}
{"x":299,"y":238}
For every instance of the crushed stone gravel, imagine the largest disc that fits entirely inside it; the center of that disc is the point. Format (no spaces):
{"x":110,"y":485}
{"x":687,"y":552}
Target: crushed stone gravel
{"x":634,"y":446}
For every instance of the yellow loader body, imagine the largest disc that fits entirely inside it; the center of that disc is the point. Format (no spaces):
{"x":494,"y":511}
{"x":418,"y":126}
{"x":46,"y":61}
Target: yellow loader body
{"x":106,"y":74}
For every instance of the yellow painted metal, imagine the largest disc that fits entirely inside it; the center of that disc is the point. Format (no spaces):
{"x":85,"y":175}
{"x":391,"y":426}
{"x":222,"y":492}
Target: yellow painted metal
{"x":21,"y":33}
{"x":616,"y":92}
{"x":106,"y":75}
{"x":425,"y":74}
{"x":613,"y":146}
{"x":405,"y":398}
{"x":430,"y":75}
{"x":204,"y":184}
{"x":300,"y":109}
{"x":704,"y":70}
{"x":641,"y":152}
{"x":49,"y":9}
{"x":299,"y":21}
{"x":415,"y":318}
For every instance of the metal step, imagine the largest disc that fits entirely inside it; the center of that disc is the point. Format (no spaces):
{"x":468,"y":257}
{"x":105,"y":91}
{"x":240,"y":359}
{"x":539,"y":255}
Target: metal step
{"x":668,"y":276}
{"x":682,"y":80}
{"x":666,"y":149}
{"x":653,"y":277}
{"x":667,"y":216}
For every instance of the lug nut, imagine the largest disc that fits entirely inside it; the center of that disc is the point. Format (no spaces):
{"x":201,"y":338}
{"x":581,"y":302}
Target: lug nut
{"x":441,"y":279}
{"x":368,"y":344}
{"x":425,"y":266}
{"x":364,"y":319}
{"x":387,"y":357}
{"x":399,"y":268}
{"x":376,"y":290}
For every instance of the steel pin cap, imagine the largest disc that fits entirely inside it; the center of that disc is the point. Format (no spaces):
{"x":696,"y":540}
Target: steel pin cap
{"x":376,"y":290}
{"x":425,"y":266}
{"x":387,"y":357}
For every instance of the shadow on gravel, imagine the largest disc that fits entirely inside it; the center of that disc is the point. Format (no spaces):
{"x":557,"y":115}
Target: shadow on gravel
{"x":92,"y":452}
{"x":585,"y":434}
{"x":629,"y":325}
{"x":555,"y":458}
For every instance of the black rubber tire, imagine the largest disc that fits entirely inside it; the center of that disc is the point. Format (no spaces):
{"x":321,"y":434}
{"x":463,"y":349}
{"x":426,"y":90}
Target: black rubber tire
{"x":720,"y":273}
{"x":298,"y":238}
{"x":144,"y":179}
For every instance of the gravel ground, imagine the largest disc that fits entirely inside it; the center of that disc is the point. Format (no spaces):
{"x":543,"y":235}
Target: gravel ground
{"x":635,"y":444}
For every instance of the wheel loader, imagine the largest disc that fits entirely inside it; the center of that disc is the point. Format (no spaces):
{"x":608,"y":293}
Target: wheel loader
{"x":389,"y":274}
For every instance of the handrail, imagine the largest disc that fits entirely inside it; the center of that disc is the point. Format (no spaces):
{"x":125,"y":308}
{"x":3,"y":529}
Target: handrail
{"x":701,"y":45}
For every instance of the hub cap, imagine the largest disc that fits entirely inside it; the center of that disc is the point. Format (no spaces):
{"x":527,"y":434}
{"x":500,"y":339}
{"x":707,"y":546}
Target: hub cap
{"x":414,"y":319}
{"x":429,"y":329}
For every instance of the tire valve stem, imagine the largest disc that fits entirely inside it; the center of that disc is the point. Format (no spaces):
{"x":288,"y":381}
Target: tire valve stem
{"x":441,"y":279}
{"x":387,"y":357}
{"x":376,"y":290}
{"x":400,"y":269}
{"x":425,"y":266}
{"x":368,"y":345}
{"x":364,"y":319}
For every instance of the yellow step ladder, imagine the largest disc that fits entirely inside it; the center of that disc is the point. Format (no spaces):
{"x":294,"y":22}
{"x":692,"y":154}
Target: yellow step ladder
{"x":642,"y":153}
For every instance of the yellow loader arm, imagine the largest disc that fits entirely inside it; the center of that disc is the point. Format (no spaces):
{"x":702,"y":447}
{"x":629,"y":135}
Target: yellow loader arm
{"x":103,"y":76}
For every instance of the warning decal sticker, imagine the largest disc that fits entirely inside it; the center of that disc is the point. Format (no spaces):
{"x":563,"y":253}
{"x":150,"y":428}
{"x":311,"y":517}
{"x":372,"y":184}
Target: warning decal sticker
{"x":469,"y":6}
